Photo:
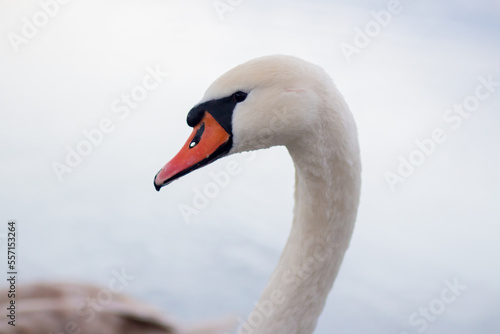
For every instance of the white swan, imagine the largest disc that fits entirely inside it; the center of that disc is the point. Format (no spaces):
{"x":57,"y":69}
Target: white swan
{"x":275,"y":100}
{"x":282,"y":100}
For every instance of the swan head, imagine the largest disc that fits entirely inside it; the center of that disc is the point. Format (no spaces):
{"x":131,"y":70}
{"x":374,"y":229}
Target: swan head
{"x":268,"y":101}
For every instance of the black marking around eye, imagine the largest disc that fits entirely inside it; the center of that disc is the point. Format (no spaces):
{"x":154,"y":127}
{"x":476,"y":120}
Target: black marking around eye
{"x":197,"y":136}
{"x":220,"y":109}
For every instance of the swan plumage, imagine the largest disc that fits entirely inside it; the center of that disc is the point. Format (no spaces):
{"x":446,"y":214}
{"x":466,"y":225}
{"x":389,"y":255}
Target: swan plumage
{"x":268,"y":101}
{"x":63,"y":307}
{"x":283,"y":100}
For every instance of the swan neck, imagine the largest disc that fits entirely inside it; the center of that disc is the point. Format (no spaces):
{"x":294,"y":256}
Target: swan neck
{"x":326,"y":201}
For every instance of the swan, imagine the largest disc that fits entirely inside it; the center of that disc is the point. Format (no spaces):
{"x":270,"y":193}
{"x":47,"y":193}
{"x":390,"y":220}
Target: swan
{"x":284,"y":100}
{"x":71,"y":308}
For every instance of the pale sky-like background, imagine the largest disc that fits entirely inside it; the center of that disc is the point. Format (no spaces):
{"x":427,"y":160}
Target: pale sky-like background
{"x":442,"y":224}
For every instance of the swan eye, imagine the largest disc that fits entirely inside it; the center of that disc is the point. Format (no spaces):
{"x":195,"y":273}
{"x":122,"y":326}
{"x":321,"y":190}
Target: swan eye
{"x":240,"y":96}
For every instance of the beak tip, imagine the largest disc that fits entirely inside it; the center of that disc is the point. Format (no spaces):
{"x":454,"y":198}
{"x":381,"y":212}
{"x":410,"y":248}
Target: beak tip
{"x":157,"y":186}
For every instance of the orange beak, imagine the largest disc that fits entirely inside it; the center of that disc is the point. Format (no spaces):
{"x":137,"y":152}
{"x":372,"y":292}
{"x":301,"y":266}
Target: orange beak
{"x":208,"y":142}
